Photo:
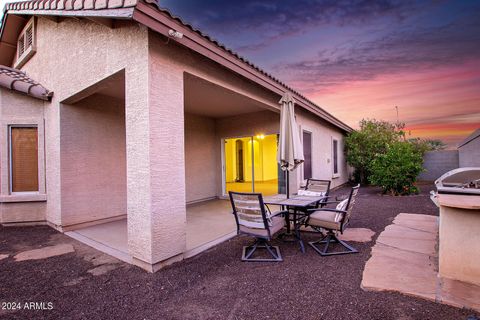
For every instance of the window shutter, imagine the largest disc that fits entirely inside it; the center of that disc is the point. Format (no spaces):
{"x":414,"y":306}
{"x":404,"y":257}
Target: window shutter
{"x":21,"y":45}
{"x":24,"y":158}
{"x":29,"y":37}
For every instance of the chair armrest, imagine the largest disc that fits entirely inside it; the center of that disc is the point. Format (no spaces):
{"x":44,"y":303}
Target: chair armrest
{"x":326,"y":209}
{"x":328,"y":202}
{"x":278,"y":213}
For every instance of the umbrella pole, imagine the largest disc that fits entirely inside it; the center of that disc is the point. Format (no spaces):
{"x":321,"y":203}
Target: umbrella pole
{"x":288,"y":184}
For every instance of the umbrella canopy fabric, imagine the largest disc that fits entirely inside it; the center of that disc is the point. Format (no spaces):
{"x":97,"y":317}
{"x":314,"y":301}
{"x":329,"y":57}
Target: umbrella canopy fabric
{"x":290,"y":148}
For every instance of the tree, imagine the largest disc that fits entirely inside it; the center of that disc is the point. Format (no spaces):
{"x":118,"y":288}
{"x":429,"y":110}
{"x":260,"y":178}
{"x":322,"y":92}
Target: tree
{"x":397,"y":169}
{"x":373,"y":138}
{"x":428,"y":144}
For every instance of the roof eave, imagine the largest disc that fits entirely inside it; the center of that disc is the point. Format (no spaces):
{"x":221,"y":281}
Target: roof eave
{"x":118,"y":13}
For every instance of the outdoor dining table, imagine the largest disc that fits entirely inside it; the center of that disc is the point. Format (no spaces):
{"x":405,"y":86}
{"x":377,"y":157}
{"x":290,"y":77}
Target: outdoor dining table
{"x":296,"y":205}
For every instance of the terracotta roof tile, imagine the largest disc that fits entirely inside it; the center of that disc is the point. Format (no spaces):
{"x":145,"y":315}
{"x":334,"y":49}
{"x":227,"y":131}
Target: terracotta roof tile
{"x":70,"y":4}
{"x":17,"y":80}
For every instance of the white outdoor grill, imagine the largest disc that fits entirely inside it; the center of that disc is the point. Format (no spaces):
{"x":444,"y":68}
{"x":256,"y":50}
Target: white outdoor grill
{"x":460,"y":181}
{"x":458,"y":196}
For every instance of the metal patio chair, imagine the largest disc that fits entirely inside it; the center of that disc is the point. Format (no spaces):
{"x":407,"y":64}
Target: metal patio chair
{"x":332,"y":221}
{"x":254,"y":218}
{"x":321,"y":187}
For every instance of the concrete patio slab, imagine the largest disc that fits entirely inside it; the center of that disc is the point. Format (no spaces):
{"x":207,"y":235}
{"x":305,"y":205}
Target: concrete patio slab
{"x":404,"y":259}
{"x":208,"y":224}
{"x":357,"y":235}
{"x":45,"y":252}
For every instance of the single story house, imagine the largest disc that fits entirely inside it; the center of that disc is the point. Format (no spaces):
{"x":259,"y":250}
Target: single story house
{"x":116,"y":113}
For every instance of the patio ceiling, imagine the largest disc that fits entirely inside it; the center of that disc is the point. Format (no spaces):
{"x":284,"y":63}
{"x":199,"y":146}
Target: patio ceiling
{"x":208,"y":99}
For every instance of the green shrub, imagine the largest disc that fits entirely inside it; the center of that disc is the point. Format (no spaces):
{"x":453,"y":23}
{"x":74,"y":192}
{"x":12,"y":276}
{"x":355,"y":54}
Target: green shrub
{"x":397,"y":169}
{"x":363,"y":145}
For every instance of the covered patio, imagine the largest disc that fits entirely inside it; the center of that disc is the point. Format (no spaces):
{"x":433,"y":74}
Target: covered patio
{"x":208,"y":224}
{"x":210,"y":123}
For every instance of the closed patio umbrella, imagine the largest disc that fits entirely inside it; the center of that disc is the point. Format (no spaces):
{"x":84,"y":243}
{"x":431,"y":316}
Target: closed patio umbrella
{"x":290,"y":148}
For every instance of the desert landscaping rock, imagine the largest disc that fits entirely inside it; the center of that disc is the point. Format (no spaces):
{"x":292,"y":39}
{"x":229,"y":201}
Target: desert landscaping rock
{"x":357,"y":235}
{"x":216,"y":284}
{"x":102,"y":269}
{"x":45,"y":252}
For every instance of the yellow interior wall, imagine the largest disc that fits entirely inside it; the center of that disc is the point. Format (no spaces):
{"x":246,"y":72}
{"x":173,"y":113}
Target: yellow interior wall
{"x":265,"y":158}
{"x":270,"y":168}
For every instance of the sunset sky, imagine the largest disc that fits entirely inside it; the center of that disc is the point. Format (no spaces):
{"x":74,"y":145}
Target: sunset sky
{"x":360,"y":59}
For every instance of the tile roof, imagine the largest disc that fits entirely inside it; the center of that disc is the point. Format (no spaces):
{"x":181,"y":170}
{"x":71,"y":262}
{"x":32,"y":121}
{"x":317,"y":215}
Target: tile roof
{"x":17,"y":80}
{"x":70,"y":4}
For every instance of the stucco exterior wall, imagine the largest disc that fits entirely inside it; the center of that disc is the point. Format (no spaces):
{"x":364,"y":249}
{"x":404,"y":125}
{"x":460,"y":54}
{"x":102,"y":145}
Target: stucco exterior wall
{"x":469,"y":154}
{"x":74,"y":54}
{"x":16,"y":108}
{"x":200,"y":161}
{"x":322,"y":149}
{"x":93,"y":161}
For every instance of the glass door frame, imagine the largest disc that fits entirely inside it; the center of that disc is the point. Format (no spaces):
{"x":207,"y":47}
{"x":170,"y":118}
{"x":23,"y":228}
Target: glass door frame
{"x":224,"y":193}
{"x":224,"y":167}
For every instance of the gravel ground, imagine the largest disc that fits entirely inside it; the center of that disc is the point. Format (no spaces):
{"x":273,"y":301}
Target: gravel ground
{"x":214,"y":284}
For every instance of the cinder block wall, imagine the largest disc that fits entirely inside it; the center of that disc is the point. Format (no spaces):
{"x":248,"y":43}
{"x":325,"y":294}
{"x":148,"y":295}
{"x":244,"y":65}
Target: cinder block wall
{"x":469,"y":154}
{"x":436,"y":163}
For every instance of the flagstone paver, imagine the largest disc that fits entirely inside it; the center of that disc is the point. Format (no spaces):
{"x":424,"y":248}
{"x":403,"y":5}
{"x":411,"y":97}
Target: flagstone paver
{"x":46,"y":252}
{"x":404,"y":259}
{"x":357,"y":235}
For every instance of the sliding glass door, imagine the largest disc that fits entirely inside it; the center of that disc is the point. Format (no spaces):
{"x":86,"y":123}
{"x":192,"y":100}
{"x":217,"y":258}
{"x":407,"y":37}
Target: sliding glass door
{"x":250,"y":164}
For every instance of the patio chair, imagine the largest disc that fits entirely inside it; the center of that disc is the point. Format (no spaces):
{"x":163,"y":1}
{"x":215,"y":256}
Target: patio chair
{"x":254,"y":218}
{"x":322,"y":187}
{"x":332,"y":221}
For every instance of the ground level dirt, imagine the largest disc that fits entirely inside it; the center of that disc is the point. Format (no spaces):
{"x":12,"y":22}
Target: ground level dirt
{"x":87,"y":284}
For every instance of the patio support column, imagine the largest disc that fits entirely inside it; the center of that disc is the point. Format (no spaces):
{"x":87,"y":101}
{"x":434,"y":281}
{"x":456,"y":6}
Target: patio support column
{"x":156,"y":166}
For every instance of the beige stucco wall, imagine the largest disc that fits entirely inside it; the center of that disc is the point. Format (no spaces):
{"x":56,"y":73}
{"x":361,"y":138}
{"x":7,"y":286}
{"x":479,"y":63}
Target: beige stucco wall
{"x":93,"y":162}
{"x":16,"y":108}
{"x":459,"y":243}
{"x":73,"y":55}
{"x":322,"y":148}
{"x":200,"y":161}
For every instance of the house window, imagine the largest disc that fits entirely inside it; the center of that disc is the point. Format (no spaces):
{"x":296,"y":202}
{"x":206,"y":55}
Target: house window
{"x":26,"y":44}
{"x":335,"y":157}
{"x":307,"y":154}
{"x":23,"y":143}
